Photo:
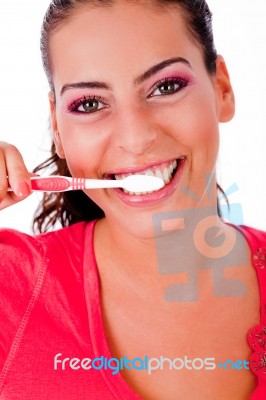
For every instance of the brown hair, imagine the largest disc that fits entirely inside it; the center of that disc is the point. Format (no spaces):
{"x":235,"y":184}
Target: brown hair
{"x":70,"y":207}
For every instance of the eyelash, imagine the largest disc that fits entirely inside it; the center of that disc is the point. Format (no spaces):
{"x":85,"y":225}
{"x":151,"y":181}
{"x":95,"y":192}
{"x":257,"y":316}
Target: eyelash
{"x":73,"y":107}
{"x":182,"y":82}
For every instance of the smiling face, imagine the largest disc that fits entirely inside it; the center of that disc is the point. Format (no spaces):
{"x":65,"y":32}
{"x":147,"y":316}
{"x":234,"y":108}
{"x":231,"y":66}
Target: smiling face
{"x":133,"y":96}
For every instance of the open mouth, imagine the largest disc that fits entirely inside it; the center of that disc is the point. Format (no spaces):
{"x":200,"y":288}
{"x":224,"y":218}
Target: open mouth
{"x":166,"y":171}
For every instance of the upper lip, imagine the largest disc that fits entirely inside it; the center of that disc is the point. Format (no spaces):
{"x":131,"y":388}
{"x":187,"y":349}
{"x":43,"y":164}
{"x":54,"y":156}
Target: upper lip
{"x":130,"y":170}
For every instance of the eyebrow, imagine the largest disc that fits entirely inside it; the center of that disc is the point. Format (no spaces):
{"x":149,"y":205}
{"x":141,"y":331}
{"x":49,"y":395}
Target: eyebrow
{"x":158,"y":67}
{"x":84,"y":85}
{"x":146,"y":75}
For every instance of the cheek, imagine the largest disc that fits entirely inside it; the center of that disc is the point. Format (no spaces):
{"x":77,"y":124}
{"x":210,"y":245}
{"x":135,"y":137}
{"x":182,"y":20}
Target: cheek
{"x":83,"y":149}
{"x":193,"y":123}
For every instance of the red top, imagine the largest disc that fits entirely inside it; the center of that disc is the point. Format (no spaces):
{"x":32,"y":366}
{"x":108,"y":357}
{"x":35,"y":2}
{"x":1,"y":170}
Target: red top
{"x":50,"y":304}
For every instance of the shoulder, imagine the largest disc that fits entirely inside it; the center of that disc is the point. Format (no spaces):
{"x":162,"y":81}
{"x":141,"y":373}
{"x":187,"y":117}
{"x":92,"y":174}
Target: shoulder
{"x":20,"y":252}
{"x":24,"y":257}
{"x":14,"y":244}
{"x":256,"y":240}
{"x":255,"y":237}
{"x":30,"y":266}
{"x":64,"y":239}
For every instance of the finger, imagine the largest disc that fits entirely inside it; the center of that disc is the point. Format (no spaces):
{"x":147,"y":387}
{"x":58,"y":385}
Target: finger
{"x":3,"y":178}
{"x":33,"y":174}
{"x":13,"y":197}
{"x":18,"y":175}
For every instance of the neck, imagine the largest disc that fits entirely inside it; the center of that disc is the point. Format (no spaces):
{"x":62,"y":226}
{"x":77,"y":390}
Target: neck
{"x":155,"y":265}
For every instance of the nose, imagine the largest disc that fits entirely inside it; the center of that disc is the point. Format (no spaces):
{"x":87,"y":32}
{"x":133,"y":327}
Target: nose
{"x":134,"y":131}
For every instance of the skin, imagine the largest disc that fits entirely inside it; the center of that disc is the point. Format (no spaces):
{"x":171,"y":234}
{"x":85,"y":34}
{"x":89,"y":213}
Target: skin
{"x":12,"y":165}
{"x":133,"y":130}
{"x":135,"y":127}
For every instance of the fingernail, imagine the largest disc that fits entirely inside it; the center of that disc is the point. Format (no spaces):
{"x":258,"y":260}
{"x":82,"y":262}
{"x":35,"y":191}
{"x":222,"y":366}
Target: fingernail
{"x":23,"y":189}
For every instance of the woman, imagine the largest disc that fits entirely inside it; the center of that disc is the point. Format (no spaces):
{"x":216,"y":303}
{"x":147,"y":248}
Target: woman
{"x":136,"y":87}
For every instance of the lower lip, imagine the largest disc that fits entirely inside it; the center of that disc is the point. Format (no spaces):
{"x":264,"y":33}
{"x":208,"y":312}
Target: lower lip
{"x":151,"y":198}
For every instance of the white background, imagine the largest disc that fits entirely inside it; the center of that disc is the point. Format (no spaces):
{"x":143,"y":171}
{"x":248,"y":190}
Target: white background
{"x":240,"y":34}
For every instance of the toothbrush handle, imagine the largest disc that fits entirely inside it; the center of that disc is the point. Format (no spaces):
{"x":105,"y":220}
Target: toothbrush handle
{"x":57,"y":184}
{"x":65,"y":183}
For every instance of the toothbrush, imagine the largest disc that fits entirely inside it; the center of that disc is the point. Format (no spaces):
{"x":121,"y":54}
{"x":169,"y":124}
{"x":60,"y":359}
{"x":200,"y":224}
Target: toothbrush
{"x":132,"y":183}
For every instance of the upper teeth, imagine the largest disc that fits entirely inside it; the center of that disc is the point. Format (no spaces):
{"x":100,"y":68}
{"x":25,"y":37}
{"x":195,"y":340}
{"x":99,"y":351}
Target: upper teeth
{"x":164,"y":172}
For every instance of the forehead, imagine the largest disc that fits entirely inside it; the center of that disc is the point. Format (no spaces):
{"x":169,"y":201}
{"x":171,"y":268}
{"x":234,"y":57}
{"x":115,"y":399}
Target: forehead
{"x":126,"y":35}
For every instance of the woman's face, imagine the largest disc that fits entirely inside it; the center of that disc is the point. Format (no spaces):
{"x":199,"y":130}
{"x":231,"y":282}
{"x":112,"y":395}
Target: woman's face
{"x":133,"y":96}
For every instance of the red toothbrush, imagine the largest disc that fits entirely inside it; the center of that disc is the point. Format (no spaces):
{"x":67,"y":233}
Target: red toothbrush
{"x":132,"y":183}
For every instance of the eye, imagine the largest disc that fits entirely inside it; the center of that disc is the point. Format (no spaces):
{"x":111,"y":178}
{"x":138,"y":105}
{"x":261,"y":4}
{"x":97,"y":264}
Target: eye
{"x":87,"y":105}
{"x":169,"y":86}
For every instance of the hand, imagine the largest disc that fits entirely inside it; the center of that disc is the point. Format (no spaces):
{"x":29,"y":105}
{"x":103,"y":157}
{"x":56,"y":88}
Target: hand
{"x":13,"y":167}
